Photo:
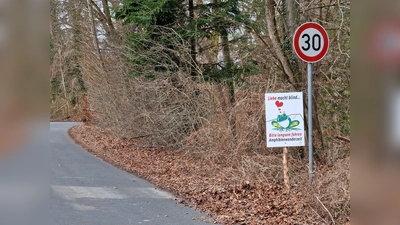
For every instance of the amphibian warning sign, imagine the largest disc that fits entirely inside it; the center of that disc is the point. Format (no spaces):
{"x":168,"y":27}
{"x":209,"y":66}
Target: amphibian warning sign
{"x":285,"y":120}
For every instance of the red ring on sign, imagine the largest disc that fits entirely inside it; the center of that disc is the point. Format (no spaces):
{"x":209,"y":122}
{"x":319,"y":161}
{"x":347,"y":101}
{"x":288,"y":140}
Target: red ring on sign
{"x":296,"y":39}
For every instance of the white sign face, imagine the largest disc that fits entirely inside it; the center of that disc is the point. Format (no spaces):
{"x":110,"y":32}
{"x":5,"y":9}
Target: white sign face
{"x":310,"y":42}
{"x":285,"y":119}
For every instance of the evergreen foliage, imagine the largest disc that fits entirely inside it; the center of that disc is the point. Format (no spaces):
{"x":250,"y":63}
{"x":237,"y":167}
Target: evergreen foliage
{"x":212,"y":20}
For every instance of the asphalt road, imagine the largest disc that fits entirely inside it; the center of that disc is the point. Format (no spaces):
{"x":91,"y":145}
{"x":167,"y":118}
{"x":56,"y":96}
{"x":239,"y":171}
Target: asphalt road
{"x":88,"y":191}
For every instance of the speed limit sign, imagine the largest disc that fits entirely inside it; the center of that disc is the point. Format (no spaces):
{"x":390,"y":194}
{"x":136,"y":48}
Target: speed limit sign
{"x":311,"y":42}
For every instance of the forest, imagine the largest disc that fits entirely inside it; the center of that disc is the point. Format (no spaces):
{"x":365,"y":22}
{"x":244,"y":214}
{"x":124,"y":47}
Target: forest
{"x":190,"y":76}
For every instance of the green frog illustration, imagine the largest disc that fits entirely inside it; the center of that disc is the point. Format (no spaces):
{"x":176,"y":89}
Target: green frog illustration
{"x":284,"y":119}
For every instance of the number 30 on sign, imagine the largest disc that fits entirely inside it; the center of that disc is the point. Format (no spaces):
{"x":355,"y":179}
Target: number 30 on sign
{"x":310,"y":42}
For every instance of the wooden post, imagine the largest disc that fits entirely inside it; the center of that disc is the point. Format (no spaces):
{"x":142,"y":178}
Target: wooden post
{"x":285,"y":168}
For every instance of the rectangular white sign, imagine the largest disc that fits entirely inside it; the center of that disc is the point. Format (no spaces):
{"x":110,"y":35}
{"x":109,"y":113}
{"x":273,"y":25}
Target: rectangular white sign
{"x":285,"y":119}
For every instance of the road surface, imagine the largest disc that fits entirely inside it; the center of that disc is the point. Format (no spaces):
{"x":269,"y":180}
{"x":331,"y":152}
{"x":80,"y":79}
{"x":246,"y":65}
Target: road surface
{"x":88,"y":191}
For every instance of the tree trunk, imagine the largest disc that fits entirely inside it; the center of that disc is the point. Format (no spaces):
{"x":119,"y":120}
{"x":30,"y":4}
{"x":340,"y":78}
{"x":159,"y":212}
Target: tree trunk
{"x":228,"y":64}
{"x":112,"y":33}
{"x":291,"y":16}
{"x":108,"y":15}
{"x":192,"y":41}
{"x":276,"y":45}
{"x":95,"y":40}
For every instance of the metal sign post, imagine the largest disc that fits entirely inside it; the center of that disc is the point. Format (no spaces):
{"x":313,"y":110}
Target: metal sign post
{"x":310,"y":124}
{"x":311,"y":43}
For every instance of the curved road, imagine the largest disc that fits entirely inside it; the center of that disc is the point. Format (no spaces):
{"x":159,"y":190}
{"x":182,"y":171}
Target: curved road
{"x":88,"y":191}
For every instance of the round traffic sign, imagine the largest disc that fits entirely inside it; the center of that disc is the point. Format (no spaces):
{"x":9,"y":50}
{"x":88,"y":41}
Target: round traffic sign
{"x":310,"y":42}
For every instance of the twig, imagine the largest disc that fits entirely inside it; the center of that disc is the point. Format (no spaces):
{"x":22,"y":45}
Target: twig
{"x":142,"y":136}
{"x":326,"y":210}
{"x":343,"y":138}
{"x":340,"y":27}
{"x":318,"y":214}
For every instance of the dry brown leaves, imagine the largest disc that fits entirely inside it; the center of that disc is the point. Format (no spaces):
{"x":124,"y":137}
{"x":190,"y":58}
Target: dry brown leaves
{"x":200,"y":183}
